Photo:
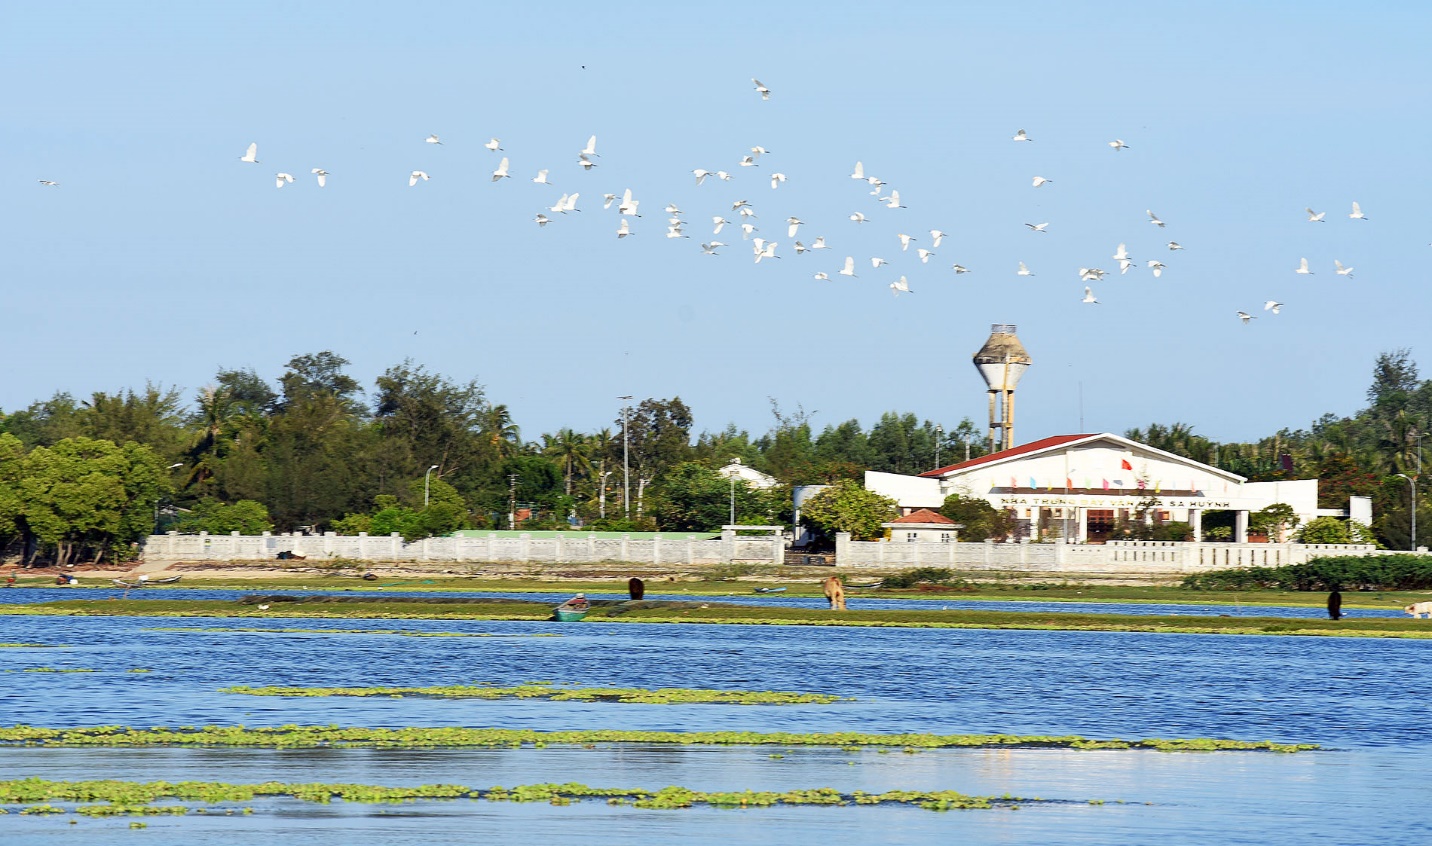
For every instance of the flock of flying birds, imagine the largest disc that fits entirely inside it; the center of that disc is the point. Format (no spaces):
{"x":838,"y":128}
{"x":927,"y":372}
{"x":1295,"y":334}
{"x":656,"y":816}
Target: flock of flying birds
{"x":762,"y":249}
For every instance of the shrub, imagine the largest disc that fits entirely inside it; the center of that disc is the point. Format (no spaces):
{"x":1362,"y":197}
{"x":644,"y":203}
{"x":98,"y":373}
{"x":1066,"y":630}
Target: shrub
{"x":923,"y":576}
{"x":1371,"y":572}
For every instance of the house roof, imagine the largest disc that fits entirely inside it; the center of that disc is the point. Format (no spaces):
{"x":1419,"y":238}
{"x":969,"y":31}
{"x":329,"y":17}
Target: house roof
{"x":925,"y":515}
{"x":1013,"y":452}
{"x":1050,"y":443}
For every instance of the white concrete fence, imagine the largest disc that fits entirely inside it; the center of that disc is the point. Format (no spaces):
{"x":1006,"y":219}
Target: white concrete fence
{"x":1115,"y":557}
{"x":564,"y":548}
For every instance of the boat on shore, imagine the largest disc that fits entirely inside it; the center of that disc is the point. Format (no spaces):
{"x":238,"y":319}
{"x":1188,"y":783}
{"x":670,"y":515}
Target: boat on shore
{"x":572,"y":610}
{"x":142,"y":582}
{"x":771,"y":590}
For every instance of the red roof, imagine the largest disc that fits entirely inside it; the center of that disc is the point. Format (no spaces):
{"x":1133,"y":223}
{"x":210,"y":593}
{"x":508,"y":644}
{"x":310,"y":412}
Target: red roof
{"x":1023,"y":449}
{"x":925,"y":515}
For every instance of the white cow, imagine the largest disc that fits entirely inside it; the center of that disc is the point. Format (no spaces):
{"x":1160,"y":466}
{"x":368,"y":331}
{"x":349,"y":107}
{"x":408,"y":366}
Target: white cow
{"x":1417,"y":609}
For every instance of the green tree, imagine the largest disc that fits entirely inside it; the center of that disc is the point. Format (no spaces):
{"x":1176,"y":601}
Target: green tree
{"x":846,"y":506}
{"x":246,"y":517}
{"x":658,"y":435}
{"x":692,"y":497}
{"x":1274,"y":520}
{"x":981,"y":520}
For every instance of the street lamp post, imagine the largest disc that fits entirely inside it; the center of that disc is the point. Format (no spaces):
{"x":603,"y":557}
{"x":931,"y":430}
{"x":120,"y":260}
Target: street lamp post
{"x":1412,"y":483}
{"x":732,"y":476}
{"x":511,"y":501}
{"x":626,"y":460}
{"x":427,"y":485}
{"x":939,"y":436}
{"x":602,"y":494}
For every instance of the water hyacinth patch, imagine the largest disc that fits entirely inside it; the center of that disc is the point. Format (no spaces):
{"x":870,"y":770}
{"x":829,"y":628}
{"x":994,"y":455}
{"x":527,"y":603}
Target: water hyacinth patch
{"x":299,"y":737}
{"x":290,"y":630}
{"x":150,"y":798}
{"x":531,"y":690}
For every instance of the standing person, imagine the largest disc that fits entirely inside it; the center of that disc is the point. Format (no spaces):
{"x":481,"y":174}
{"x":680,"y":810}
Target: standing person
{"x":636,"y":587}
{"x":1335,"y":605}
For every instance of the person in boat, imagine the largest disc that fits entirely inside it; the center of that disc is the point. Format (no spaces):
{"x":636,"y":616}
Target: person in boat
{"x":579,"y":601}
{"x":62,"y":579}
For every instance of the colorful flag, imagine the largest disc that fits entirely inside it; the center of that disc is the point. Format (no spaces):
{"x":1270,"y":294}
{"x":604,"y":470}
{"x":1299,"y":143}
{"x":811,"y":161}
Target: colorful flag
{"x":1158,"y":486}
{"x":1013,"y":483}
{"x":1068,"y":483}
{"x":1125,"y":465}
{"x":1033,"y":484}
{"x":1106,"y":484}
{"x":1142,"y":484}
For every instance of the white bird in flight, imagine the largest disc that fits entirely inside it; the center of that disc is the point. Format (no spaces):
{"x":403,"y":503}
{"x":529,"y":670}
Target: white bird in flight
{"x":1154,"y":219}
{"x":624,"y":229}
{"x":252,"y":156}
{"x":1303,"y":268}
{"x":1174,"y":245}
{"x":700,"y":174}
{"x":723,"y":176}
{"x":494,"y":145}
{"x":1245,"y":316}
{"x":1092,"y":274}
{"x":591,"y":148}
{"x":1315,"y":217}
{"x":1118,"y":144}
{"x":904,"y":241}
{"x":48,"y":183}
{"x":1021,"y":135}
{"x":1037,"y":227}
{"x":541,"y":219}
{"x":768,"y":251}
{"x":959,"y":268}
{"x":1157,"y":267}
{"x":541,"y":177}
{"x":566,"y":203}
{"x":899,"y":286}
{"x":793,"y":223}
{"x":849,"y":269}
{"x":749,"y":161}
{"x":1342,"y":271}
{"x":823,"y":276}
{"x":1089,"y":296}
{"x":800,"y":248}
{"x":322,"y":176}
{"x":747,"y":229}
{"x":432,"y":139}
{"x":720,"y":222}
{"x":765,"y":92}
{"x":876,"y":262}
{"x":501,"y":172}
{"x":819,"y":243}
{"x":936,"y":236}
{"x":415,"y":176}
{"x":924,"y":255}
{"x":1357,"y":212}
{"x":1023,"y":271}
{"x":608,"y":199}
{"x":892,"y":201}
{"x":1122,"y":253}
{"x":711,"y":248}
{"x":281,"y":179}
{"x":628,"y":206}
{"x":1039,"y":180}
{"x":1273,"y":306}
{"x":859,"y":171}
{"x":776,"y":180}
{"x":858,"y":217}
{"x":584,"y":162}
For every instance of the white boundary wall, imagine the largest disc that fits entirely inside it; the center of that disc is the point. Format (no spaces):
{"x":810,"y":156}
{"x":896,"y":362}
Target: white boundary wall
{"x":574,"y":548}
{"x":1115,"y":557}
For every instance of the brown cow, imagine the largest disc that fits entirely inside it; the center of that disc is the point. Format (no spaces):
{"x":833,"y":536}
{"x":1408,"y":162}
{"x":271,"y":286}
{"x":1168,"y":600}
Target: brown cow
{"x":835,"y":592}
{"x":636,"y":587}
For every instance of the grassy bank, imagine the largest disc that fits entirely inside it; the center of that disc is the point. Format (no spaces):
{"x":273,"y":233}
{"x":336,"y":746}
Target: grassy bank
{"x":444,"y":608}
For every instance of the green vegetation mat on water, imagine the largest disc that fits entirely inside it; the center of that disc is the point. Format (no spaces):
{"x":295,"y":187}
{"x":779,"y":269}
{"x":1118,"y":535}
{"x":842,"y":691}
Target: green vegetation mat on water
{"x":292,"y":630}
{"x":139,"y":798}
{"x":640,"y":696}
{"x":649,"y":611}
{"x":295,"y":736}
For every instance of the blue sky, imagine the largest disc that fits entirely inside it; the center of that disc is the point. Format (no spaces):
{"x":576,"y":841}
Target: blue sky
{"x":161,"y":256}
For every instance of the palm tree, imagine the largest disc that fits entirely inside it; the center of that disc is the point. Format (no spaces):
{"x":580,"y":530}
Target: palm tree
{"x":495,"y":422}
{"x":571,"y":450}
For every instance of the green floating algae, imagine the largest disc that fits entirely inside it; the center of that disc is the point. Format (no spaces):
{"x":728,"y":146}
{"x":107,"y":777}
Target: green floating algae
{"x":301,"y":737}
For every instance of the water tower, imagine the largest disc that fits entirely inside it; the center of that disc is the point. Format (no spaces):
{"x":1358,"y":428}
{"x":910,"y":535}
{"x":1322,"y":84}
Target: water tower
{"x":1001,"y":361}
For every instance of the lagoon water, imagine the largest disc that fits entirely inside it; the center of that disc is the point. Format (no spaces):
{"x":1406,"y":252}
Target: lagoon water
{"x":1365,"y":700}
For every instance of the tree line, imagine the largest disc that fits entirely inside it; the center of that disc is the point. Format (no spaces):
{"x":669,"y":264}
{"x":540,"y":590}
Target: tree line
{"x":418,"y":453}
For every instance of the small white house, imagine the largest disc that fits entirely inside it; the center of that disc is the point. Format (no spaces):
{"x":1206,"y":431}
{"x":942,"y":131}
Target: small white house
{"x":753,"y":477}
{"x":922,"y":526}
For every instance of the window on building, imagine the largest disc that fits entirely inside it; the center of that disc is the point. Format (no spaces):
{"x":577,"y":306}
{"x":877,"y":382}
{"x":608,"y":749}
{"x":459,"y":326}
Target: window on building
{"x":946,"y":537}
{"x":912,"y":537}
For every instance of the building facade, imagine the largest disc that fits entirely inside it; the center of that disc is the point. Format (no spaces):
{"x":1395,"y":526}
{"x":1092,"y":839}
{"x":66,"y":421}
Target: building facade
{"x":1079,"y":488}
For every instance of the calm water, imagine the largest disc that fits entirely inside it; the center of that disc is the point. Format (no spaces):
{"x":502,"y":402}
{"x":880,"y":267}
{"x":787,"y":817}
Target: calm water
{"x":1365,"y":699}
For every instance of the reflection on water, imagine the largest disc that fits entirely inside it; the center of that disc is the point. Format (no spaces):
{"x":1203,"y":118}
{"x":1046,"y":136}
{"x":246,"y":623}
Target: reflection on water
{"x":1364,"y":698}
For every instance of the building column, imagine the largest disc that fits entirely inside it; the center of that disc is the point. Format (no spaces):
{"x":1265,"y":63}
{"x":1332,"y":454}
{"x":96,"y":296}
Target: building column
{"x":1195,"y":520}
{"x":1240,"y":526}
{"x":1083,"y":525}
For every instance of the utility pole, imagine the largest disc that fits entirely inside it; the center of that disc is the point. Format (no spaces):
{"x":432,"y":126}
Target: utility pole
{"x":602,"y":494}
{"x":626,"y":459}
{"x":939,"y":436}
{"x":427,"y":484}
{"x":512,"y":501}
{"x":640,"y":491}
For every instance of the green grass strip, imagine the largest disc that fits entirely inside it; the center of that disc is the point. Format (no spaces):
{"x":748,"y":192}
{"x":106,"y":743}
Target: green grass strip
{"x":630,"y":695}
{"x":295,"y":736}
{"x":438,"y":608}
{"x":132,"y":797}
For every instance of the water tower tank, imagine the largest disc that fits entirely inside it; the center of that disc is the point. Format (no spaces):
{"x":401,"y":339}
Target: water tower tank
{"x":1002,"y":359}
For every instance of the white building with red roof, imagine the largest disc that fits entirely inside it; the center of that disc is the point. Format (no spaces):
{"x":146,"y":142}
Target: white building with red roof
{"x":924,"y":526}
{"x":1079,"y":487}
